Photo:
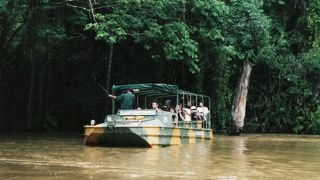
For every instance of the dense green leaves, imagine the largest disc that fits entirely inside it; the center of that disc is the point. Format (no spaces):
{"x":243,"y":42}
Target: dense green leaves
{"x":314,"y":22}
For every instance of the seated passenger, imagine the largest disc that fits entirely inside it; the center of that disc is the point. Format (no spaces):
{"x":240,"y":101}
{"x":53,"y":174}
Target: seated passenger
{"x":167,"y":105}
{"x":180,"y":113}
{"x":194,"y":115}
{"x":155,"y":105}
{"x":202,"y":112}
{"x":187,"y":114}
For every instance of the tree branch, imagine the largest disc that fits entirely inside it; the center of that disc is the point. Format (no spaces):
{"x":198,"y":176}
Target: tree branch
{"x":91,"y":11}
{"x":77,"y":7}
{"x":68,"y":4}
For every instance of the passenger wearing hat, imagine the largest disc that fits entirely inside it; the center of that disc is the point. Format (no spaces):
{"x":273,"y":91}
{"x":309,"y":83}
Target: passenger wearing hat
{"x":127,"y":99}
{"x":167,"y":105}
{"x":194,"y":115}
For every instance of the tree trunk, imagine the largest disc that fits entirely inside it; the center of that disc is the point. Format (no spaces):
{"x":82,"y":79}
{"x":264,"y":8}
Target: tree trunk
{"x":316,"y":92}
{"x":31,"y":84}
{"x":109,"y":67}
{"x":110,"y":57}
{"x":238,"y":110}
{"x":31,"y":54}
{"x":184,"y":11}
{"x":40,"y":96}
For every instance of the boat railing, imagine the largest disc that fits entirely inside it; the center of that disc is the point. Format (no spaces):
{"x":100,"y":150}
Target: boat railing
{"x":193,"y":124}
{"x":159,"y":117}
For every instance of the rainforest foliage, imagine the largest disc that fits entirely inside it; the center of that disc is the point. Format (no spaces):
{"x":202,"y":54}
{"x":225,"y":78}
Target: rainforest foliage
{"x":53,"y":53}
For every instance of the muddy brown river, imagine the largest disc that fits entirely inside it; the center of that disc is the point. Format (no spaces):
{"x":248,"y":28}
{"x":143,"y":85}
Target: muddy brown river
{"x":265,"y":156}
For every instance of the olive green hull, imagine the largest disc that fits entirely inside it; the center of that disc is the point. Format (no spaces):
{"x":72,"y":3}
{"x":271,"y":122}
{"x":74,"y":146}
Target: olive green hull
{"x":144,"y":136}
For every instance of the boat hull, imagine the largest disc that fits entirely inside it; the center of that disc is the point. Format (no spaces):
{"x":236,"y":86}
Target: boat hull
{"x":144,"y":136}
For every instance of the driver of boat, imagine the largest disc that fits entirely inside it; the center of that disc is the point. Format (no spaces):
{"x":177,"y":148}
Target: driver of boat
{"x":127,"y":99}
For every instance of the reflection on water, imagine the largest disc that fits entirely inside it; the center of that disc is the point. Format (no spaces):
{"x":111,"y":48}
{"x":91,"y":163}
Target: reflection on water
{"x":244,"y":157}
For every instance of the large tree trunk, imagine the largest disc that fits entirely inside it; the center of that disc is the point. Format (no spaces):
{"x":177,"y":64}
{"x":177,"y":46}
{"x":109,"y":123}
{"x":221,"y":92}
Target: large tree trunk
{"x":238,"y":111}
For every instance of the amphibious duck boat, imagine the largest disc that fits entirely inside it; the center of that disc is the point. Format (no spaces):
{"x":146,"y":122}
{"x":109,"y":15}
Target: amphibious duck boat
{"x":146,"y":127}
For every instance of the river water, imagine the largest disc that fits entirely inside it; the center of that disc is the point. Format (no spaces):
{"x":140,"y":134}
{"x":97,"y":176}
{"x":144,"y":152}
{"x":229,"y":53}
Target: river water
{"x":227,"y":158}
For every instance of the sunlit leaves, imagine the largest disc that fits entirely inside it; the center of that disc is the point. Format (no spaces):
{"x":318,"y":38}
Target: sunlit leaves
{"x":178,"y":43}
{"x":249,"y":26}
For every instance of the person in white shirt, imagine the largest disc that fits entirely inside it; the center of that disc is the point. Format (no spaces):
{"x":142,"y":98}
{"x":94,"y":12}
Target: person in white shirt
{"x":202,"y":112}
{"x":180,"y":112}
{"x":187,"y":114}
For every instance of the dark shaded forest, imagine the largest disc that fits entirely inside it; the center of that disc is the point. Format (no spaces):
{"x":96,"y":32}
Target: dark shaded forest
{"x":53,"y":53}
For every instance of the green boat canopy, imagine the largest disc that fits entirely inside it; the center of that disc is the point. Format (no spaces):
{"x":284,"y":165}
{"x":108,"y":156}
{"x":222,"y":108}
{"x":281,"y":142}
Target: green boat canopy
{"x":158,"y":90}
{"x":148,"y":88}
{"x":153,"y":89}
